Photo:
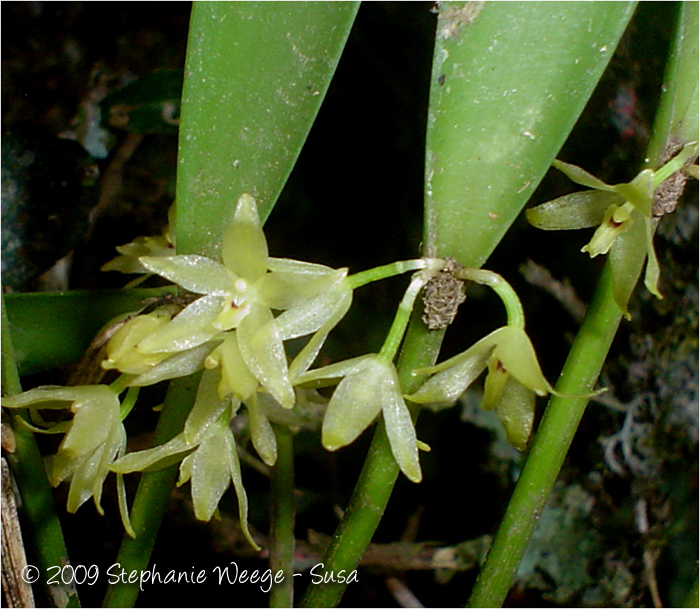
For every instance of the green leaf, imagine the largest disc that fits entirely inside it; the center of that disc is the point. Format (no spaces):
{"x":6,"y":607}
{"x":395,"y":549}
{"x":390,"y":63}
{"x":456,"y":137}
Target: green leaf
{"x":255,"y":77}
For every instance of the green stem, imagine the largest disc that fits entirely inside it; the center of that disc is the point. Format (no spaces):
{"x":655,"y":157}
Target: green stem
{"x":514,"y":309}
{"x":693,"y":597}
{"x":152,"y":495}
{"x":550,"y":446}
{"x":43,"y":534}
{"x":282,"y":540}
{"x":390,"y":270}
{"x":403,"y":315}
{"x":377,"y":479}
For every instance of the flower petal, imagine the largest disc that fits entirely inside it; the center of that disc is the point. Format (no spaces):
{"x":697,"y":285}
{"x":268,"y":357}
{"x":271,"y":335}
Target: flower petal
{"x":518,"y":356}
{"x":398,"y":424}
{"x":197,"y":274}
{"x":261,"y":431}
{"x":175,"y":366}
{"x":154,"y":458}
{"x":262,"y":350}
{"x":580,"y":176}
{"x":287,"y":265}
{"x":192,"y":327}
{"x":355,"y":404}
{"x":286,"y":290}
{"x":207,"y":409}
{"x":236,"y":379}
{"x":327,"y":375}
{"x":626,"y":260}
{"x":516,"y":409}
{"x":573,"y":211}
{"x":244,"y":248}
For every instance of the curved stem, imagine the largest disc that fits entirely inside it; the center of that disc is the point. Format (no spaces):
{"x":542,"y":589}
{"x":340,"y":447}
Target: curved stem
{"x":514,"y":308}
{"x":395,"y":268}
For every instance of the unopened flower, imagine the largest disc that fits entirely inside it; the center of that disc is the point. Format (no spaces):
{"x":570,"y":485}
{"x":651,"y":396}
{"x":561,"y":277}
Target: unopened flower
{"x":514,"y":377}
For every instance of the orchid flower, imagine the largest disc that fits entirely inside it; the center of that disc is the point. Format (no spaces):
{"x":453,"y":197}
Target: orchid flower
{"x":241,"y":294}
{"x":94,"y":438}
{"x":624,"y":216}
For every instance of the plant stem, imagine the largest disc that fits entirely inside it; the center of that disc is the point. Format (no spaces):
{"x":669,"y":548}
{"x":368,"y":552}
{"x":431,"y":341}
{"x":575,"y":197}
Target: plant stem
{"x":43,"y":533}
{"x":152,"y":495}
{"x":377,"y":479}
{"x":550,"y":446}
{"x":390,"y":270}
{"x":282,"y":519}
{"x":514,"y":308}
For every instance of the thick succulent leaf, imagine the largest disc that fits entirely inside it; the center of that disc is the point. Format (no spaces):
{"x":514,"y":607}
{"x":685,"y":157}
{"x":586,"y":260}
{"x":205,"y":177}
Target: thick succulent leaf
{"x":626,"y":259}
{"x":244,"y":248}
{"x":516,"y":353}
{"x":580,"y":176}
{"x":312,"y":314}
{"x":175,"y":366}
{"x":262,"y":350}
{"x":573,"y":211}
{"x":355,"y":404}
{"x":197,"y":274}
{"x":207,"y":409}
{"x":285,"y":290}
{"x":261,"y":431}
{"x":192,"y":327}
{"x":154,"y":458}
{"x":398,"y":423}
{"x":516,"y":410}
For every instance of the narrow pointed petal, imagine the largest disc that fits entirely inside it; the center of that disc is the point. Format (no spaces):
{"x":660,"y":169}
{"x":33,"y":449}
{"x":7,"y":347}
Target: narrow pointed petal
{"x":516,"y":409}
{"x":175,"y":366}
{"x":234,"y":468}
{"x":613,"y":225}
{"x":192,"y":327}
{"x":155,"y":458}
{"x":244,"y":249}
{"x":262,"y":350}
{"x":197,"y":274}
{"x":287,"y":265}
{"x":261,"y":431}
{"x":309,"y":316}
{"x":626,"y":259}
{"x":518,"y":356}
{"x":321,"y":377}
{"x":652,"y":273}
{"x":577,"y":210}
{"x":305,"y":358}
{"x":55,"y":397}
{"x":207,"y":409}
{"x":494,"y":384}
{"x":355,"y":404}
{"x":399,"y":426}
{"x":580,"y":176}
{"x":447,"y":386}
